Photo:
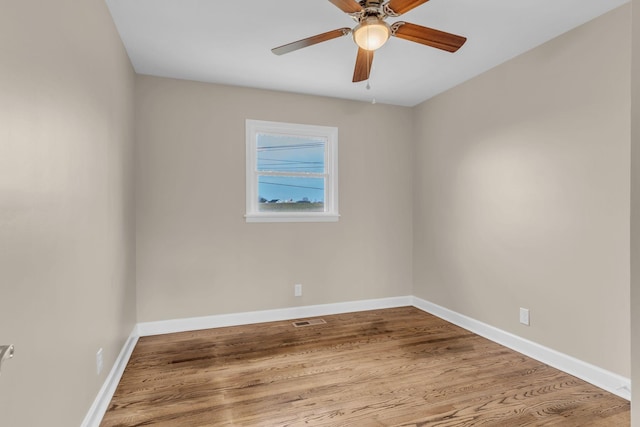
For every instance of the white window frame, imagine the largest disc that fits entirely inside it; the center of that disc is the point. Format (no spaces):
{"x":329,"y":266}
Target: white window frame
{"x":330,"y":134}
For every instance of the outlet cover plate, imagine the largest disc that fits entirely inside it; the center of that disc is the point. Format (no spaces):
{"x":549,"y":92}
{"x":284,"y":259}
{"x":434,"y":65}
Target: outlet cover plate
{"x":524,"y":316}
{"x":297,"y":290}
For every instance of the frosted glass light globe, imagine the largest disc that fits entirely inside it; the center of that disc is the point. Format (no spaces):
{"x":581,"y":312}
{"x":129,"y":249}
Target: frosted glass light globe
{"x":371,"y":33}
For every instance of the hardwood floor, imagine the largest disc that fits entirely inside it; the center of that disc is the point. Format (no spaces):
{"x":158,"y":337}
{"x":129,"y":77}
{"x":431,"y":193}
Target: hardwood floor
{"x":393,"y":367}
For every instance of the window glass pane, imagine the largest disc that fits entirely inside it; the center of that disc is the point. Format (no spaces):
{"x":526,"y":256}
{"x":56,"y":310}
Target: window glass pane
{"x":278,"y":153}
{"x":285,"y":193}
{"x":292,"y":172}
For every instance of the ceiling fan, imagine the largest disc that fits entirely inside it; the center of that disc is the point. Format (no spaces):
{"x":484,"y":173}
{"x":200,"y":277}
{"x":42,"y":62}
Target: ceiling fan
{"x":372,"y":31}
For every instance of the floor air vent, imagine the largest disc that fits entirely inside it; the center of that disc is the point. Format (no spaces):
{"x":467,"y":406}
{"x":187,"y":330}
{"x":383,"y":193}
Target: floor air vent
{"x":311,"y":322}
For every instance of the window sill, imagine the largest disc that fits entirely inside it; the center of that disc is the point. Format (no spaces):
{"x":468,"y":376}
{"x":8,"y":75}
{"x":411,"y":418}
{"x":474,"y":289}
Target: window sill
{"x":301,"y":217}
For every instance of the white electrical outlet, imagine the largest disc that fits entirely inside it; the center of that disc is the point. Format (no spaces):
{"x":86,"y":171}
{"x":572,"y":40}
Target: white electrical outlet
{"x":524,"y":316}
{"x":99,"y":361}
{"x":297,"y":290}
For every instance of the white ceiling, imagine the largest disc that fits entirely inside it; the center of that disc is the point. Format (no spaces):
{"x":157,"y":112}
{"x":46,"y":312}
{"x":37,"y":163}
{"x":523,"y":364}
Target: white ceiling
{"x":230,"y":43}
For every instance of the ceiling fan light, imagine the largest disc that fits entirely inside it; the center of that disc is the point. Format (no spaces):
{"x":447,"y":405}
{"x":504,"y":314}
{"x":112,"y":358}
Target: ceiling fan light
{"x":371,"y":33}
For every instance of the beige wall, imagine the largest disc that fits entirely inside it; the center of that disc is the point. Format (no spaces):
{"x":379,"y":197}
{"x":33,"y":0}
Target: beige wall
{"x":521,"y":194}
{"x":635,"y":216}
{"x":197,"y":256}
{"x":66,"y":217}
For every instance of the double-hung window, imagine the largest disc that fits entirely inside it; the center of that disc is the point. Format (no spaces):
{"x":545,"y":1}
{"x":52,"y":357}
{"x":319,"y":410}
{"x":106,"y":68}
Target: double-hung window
{"x":292,"y":172}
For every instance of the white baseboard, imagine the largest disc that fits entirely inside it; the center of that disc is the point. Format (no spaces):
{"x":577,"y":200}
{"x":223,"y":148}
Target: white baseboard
{"x":247,"y":318}
{"x":609,"y":381}
{"x":102,"y":400}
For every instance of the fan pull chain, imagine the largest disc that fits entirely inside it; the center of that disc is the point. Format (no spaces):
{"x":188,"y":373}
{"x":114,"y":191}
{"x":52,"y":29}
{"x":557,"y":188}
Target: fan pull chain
{"x":373,"y":100}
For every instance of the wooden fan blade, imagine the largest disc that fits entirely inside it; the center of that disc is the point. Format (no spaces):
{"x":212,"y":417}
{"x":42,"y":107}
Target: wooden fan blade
{"x":310,"y":41}
{"x":363,"y":65}
{"x":429,"y":36}
{"x":347,"y":6}
{"x":404,"y":6}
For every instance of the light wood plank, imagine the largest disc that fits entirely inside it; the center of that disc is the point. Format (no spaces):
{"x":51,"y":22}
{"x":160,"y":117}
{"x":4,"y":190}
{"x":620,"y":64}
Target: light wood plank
{"x":394,"y":367}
